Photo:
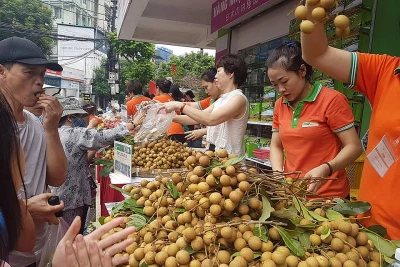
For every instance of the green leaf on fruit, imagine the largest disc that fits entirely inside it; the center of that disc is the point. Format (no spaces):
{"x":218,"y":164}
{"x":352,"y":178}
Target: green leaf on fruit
{"x":267,"y":208}
{"x":302,"y":209}
{"x":384,"y":246}
{"x":190,"y":250}
{"x":333,"y":215}
{"x":179,"y":210}
{"x":118,"y":208}
{"x":101,"y":220}
{"x":294,"y":245}
{"x":289,"y":213}
{"x":144,"y":264}
{"x":122,"y":191}
{"x":173,"y":190}
{"x":261,"y":231}
{"x":396,"y":243}
{"x":234,"y":255}
{"x":138,"y":221}
{"x":304,"y":239}
{"x":106,"y":170}
{"x":388,"y":260}
{"x":347,"y":207}
{"x":379,"y":229}
{"x":233,"y":161}
{"x":326,"y":232}
{"x":317,"y":217}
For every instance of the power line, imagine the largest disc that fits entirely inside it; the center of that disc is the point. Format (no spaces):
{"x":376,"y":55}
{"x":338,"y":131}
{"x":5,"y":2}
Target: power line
{"x":31,"y":32}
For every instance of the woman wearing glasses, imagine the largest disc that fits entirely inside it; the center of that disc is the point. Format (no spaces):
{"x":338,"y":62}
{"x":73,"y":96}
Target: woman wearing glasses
{"x":313,"y":125}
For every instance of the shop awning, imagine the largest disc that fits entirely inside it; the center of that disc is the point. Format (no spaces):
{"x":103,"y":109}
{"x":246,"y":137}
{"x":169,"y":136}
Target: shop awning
{"x":173,"y":22}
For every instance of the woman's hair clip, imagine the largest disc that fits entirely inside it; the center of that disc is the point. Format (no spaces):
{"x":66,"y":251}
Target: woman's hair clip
{"x":291,"y":44}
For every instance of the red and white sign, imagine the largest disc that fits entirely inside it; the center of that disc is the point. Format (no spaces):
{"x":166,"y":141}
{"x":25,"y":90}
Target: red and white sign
{"x":226,"y":11}
{"x":53,"y":72}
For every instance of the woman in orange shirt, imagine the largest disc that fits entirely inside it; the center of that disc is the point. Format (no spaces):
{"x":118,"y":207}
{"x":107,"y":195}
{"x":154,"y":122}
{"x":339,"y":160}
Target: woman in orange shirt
{"x":91,"y":108}
{"x":176,"y":131}
{"x":378,"y":78}
{"x":312,"y":124}
{"x":134,"y":91}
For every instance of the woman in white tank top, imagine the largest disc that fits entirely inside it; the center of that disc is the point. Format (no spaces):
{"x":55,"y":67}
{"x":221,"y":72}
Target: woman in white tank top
{"x":227,"y":117}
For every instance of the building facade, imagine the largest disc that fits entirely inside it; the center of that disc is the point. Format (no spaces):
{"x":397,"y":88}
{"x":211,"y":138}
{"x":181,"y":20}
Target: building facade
{"x":82,"y":26}
{"x":163,"y":54}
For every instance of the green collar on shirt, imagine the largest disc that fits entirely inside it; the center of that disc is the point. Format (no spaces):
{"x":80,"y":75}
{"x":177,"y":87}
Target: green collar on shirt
{"x":397,"y":70}
{"x":136,"y":96}
{"x":311,"y":97}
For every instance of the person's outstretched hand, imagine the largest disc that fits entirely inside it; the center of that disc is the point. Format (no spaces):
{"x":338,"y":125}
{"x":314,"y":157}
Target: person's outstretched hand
{"x":75,"y":250}
{"x":171,"y":106}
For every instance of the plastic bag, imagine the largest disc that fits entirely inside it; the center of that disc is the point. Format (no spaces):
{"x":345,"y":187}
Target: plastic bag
{"x":155,"y":125}
{"x":54,"y":235}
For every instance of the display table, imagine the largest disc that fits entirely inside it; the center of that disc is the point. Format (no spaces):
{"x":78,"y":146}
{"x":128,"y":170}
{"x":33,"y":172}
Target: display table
{"x":110,"y":195}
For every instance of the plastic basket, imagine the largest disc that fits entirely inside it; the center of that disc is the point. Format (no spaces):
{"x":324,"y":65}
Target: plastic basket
{"x":354,"y":172}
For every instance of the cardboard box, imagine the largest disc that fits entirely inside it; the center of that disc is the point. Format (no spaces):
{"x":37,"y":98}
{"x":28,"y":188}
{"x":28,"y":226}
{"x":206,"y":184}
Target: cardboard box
{"x":267,"y":111}
{"x":264,"y":142}
{"x":269,"y":94}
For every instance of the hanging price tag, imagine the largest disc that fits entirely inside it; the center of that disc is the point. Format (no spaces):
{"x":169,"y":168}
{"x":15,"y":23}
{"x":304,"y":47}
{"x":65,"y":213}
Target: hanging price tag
{"x":384,"y":155}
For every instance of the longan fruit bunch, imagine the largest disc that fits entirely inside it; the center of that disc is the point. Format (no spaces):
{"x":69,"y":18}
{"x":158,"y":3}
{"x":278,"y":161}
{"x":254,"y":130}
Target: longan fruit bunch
{"x":319,"y":13}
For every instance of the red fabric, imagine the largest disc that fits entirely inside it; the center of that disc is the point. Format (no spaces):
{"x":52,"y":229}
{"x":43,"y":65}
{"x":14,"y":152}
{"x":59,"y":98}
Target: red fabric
{"x":174,"y":70}
{"x":152,"y":88}
{"x":107,"y":194}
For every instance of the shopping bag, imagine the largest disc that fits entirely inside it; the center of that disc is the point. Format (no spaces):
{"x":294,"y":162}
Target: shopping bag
{"x":54,"y":235}
{"x":155,"y":125}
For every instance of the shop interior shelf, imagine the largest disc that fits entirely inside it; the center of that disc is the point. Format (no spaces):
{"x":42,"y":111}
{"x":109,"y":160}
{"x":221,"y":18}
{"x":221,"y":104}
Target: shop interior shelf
{"x":260,"y":123}
{"x":260,"y":161}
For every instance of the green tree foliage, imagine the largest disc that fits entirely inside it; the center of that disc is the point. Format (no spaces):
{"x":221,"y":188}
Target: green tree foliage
{"x":141,"y":70}
{"x":100,"y":85}
{"x":135,"y":64}
{"x":189,"y":68}
{"x":30,"y":19}
{"x":132,"y":50}
{"x":135,"y":61}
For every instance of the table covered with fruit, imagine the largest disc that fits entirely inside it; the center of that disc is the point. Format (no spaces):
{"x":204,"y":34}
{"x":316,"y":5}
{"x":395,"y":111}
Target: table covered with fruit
{"x":217,"y":211}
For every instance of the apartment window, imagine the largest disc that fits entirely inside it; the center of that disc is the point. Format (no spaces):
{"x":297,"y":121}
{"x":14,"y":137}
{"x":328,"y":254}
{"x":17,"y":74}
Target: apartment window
{"x":57,"y":12}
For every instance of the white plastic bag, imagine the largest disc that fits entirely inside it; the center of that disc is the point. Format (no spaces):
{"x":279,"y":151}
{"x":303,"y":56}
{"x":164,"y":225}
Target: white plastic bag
{"x":155,"y":125}
{"x":54,"y":235}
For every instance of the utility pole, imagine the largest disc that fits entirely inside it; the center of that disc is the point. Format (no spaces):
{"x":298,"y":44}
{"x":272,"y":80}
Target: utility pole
{"x":113,"y":79}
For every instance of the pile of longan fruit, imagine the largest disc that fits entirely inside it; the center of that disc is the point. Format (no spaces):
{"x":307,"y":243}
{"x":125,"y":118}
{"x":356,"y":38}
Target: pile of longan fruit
{"x":320,"y":10}
{"x":161,"y":154}
{"x":214,"y":222}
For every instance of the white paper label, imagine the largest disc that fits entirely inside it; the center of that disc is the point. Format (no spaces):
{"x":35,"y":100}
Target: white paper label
{"x":381,"y":158}
{"x":123,"y":159}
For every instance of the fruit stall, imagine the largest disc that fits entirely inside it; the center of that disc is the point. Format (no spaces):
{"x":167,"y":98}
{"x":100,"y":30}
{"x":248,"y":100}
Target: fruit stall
{"x":217,"y":211}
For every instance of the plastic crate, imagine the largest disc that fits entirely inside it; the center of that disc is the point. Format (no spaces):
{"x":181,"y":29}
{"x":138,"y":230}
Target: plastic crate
{"x":262,"y":153}
{"x":354,"y":172}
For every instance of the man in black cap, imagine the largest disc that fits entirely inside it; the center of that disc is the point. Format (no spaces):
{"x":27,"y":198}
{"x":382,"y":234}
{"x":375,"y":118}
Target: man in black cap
{"x":22,"y":70}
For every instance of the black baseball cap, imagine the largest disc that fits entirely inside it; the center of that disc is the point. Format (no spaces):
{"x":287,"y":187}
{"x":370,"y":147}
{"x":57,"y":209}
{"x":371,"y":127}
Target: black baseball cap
{"x":21,"y":50}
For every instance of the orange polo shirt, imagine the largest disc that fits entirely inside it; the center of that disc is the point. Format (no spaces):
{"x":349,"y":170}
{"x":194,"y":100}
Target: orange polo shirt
{"x":131,"y":104}
{"x":175,"y":128}
{"x":205,"y":103}
{"x":308,"y":134}
{"x":99,"y":120}
{"x":373,"y":75}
